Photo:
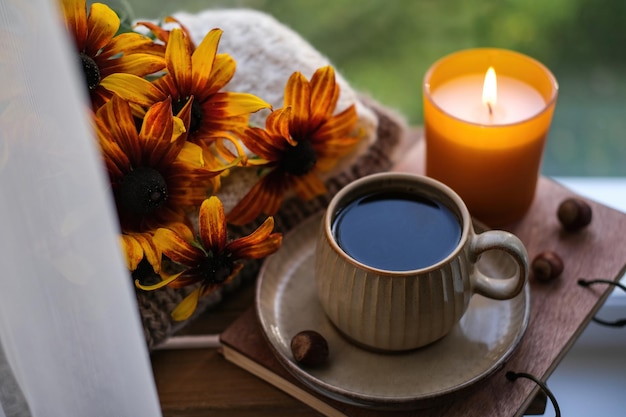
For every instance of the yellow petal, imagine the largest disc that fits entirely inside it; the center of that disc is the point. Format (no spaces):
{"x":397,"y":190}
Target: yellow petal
{"x":117,"y":116}
{"x":222,"y":72}
{"x":178,"y":129}
{"x":184,"y":116}
{"x":133,"y":88}
{"x":186,"y":308}
{"x":161,"y":284}
{"x":176,"y":248}
{"x":333,"y":151}
{"x":185,"y":279}
{"x":160,"y":33}
{"x":150,"y":251}
{"x":309,"y":186}
{"x":257,"y":162}
{"x":260,"y":143}
{"x":137,"y":64}
{"x":172,"y":19}
{"x":191,"y":155}
{"x":264,"y":197}
{"x":298,"y":96}
{"x":132,"y":250}
{"x":236,"y":104}
{"x":190,"y":187}
{"x":340,"y":125}
{"x":182,"y":230}
{"x":156,"y":132}
{"x":218,"y":151}
{"x":102,"y":25}
{"x":277,"y":123}
{"x":257,"y":244}
{"x":75,"y":12}
{"x":324,"y":95}
{"x":262,"y":249}
{"x":203,"y":58}
{"x":178,"y":58}
{"x":261,"y":233}
{"x":212,"y":225}
{"x":130,"y":43}
{"x":115,"y":158}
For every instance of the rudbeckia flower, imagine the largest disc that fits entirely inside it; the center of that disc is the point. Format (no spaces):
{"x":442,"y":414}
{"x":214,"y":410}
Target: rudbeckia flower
{"x":102,"y":53}
{"x":199,"y":74}
{"x":210,"y":260}
{"x":300,"y":142}
{"x":157,"y":177}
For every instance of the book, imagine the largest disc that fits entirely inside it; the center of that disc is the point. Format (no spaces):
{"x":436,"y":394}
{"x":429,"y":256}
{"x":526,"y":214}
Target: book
{"x":243,"y":344}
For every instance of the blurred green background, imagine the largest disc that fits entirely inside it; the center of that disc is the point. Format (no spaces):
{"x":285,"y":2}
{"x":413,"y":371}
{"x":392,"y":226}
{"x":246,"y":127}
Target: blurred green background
{"x":385,"y":47}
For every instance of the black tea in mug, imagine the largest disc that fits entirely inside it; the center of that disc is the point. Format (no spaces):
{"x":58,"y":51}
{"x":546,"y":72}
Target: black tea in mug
{"x":397,"y":230}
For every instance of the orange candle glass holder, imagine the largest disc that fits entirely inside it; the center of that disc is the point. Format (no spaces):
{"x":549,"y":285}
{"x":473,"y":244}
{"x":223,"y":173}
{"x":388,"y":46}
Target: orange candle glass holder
{"x":489,"y":150}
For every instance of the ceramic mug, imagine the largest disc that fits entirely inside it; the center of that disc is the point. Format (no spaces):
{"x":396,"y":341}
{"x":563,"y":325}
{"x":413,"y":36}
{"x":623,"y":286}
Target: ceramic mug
{"x":396,"y":261}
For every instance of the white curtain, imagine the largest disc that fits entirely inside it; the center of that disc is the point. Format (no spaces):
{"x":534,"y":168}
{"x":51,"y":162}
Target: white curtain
{"x":71,"y":343}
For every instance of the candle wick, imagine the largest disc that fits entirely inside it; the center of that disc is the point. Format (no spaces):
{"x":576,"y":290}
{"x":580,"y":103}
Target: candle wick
{"x":490,"y":109}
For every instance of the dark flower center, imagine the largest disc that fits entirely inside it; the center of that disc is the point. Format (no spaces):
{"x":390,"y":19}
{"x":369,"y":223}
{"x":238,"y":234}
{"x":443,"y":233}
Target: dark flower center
{"x":216,"y":269}
{"x":300,"y":159}
{"x":91,"y":71}
{"x":196,"y":113}
{"x":142,"y":191}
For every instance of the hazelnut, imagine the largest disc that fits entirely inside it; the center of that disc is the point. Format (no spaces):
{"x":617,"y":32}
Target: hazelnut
{"x":309,"y":348}
{"x":574,"y":214}
{"x":547,"y":266}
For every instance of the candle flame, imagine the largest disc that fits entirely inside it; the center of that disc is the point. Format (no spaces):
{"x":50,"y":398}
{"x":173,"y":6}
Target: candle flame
{"x":490,"y":89}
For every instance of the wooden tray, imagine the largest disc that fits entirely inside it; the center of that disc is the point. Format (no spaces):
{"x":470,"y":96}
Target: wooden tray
{"x":201,"y":382}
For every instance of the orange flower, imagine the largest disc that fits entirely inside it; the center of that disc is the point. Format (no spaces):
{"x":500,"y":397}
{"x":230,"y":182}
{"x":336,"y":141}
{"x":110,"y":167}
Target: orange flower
{"x":300,"y":141}
{"x":102,"y":53}
{"x":156,"y":176}
{"x":198,"y":75}
{"x":211,"y":260}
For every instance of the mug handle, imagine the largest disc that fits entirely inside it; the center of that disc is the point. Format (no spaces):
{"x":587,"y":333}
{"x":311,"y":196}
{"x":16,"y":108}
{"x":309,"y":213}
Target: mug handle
{"x":499,"y":289}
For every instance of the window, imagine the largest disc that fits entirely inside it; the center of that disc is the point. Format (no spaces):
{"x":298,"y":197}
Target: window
{"x":384,"y":48}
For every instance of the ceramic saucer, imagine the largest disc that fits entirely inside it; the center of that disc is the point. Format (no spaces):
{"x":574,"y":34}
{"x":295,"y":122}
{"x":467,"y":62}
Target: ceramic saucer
{"x":286,"y":304}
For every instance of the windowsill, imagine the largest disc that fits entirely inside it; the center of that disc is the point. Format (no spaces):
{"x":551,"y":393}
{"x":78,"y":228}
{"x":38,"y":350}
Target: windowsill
{"x":591,"y":377}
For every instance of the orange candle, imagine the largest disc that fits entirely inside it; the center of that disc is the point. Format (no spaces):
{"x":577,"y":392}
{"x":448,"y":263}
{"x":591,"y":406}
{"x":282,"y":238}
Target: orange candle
{"x":487,"y":113}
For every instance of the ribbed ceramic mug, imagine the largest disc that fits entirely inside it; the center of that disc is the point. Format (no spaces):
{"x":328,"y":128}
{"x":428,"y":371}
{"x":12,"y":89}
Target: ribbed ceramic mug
{"x":393,"y":308}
